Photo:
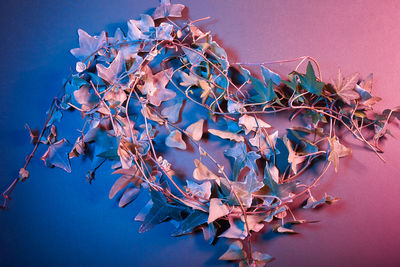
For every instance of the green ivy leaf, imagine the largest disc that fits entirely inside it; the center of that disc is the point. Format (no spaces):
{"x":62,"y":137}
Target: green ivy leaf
{"x":266,"y":92}
{"x":309,"y":81}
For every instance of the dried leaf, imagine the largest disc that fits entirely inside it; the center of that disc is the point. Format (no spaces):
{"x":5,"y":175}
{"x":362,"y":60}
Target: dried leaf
{"x":111,"y":73}
{"x":89,"y":45}
{"x":293,"y":158}
{"x":195,"y":130}
{"x":155,"y":86}
{"x":166,"y":9}
{"x":337,"y":151}
{"x":202,"y":173}
{"x":129,"y":195}
{"x":234,"y":252}
{"x":345,"y":88}
{"x":280,"y":229}
{"x":236,"y":230}
{"x":172,"y":112}
{"x":200,"y":191}
{"x":217,"y":210}
{"x":57,"y":155}
{"x":251,"y":123}
{"x":174,"y":139}
{"x":226,"y":135}
{"x":119,"y":184}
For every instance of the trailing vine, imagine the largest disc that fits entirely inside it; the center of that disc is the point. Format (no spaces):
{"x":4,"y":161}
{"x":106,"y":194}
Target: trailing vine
{"x":131,"y":89}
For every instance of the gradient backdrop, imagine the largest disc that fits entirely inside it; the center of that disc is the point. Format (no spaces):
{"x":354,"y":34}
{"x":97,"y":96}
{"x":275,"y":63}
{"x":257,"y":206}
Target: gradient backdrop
{"x":57,"y":219}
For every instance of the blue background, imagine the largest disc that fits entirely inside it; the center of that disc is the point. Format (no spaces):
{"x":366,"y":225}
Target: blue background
{"x":58,"y":219}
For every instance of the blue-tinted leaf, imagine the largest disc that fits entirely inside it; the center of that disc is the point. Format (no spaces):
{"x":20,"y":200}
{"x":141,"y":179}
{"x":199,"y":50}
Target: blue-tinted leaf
{"x":57,"y":155}
{"x":193,"y":220}
{"x":270,"y":75}
{"x":242,"y":158}
{"x":265,"y":93}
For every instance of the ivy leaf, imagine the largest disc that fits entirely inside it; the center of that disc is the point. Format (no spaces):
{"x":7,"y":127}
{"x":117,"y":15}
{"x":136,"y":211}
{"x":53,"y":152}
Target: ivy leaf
{"x":337,"y":151}
{"x":345,"y":87}
{"x":163,"y":31}
{"x":130,"y":194}
{"x":88,"y":44}
{"x":188,"y":80}
{"x":237,"y":229}
{"x":242,"y":158}
{"x":327,"y":199}
{"x":119,"y":184}
{"x":271,"y":179}
{"x":217,"y":210}
{"x":166,"y":9}
{"x":266,"y":144}
{"x":111,"y":73}
{"x":172,"y":112}
{"x":195,"y":130}
{"x":270,"y":75}
{"x":194,"y":58}
{"x":57,"y":155}
{"x":155,"y":86}
{"x":309,"y":81}
{"x":261,"y":259}
{"x":201,"y":191}
{"x":266,"y":93}
{"x":209,"y":232}
{"x":139,"y":29}
{"x":251,"y":123}
{"x":245,"y":189}
{"x":293,"y":158}
{"x":193,"y":220}
{"x":226,"y":135}
{"x":365,"y":91}
{"x":280,"y":229}
{"x":174,"y":139}
{"x":235,"y":252}
{"x":85,"y":98}
{"x":160,"y":211}
{"x":201,"y":173}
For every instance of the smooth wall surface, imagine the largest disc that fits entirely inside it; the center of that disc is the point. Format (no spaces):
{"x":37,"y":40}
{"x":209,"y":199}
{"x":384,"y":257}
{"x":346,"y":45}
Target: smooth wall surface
{"x":57,"y":219}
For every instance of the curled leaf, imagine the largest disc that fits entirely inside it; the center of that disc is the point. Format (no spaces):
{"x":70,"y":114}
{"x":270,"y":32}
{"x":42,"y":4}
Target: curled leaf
{"x":226,"y":135}
{"x":129,"y":195}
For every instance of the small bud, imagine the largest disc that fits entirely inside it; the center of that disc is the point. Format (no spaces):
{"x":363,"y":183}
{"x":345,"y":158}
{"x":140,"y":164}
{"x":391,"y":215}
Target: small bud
{"x":23,"y":174}
{"x":80,"y":66}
